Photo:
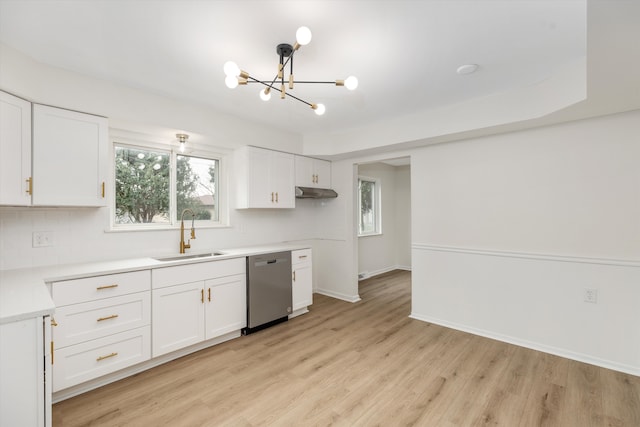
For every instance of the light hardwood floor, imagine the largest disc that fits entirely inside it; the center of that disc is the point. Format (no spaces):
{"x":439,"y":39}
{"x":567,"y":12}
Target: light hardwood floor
{"x":363,"y":364}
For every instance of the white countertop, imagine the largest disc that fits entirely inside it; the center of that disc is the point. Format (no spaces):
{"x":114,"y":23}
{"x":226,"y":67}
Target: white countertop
{"x":24,"y":294}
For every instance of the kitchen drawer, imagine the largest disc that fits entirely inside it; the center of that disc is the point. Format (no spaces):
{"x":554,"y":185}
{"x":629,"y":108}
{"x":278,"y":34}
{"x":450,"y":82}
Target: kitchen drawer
{"x":82,"y":362}
{"x":179,"y":274}
{"x":96,"y":319}
{"x":300,"y":256}
{"x":97,"y":287}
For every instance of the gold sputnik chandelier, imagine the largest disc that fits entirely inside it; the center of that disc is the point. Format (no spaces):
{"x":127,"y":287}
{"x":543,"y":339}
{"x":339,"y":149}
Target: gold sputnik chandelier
{"x":236,"y":76}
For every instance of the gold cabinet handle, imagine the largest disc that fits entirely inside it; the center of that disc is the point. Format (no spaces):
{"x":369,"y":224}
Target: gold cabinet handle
{"x":113,"y":316}
{"x":202,"y":295}
{"x":209,"y":294}
{"x":106,"y":357}
{"x":272,"y":197}
{"x":100,"y":288}
{"x":276,"y":197}
{"x":29,"y":185}
{"x":294,"y":276}
{"x":103,"y":191}
{"x":53,"y":322}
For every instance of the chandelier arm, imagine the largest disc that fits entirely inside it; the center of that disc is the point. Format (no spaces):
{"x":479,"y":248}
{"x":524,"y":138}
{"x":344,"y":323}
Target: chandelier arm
{"x":254,"y":80}
{"x":298,"y":99}
{"x":266,"y":83}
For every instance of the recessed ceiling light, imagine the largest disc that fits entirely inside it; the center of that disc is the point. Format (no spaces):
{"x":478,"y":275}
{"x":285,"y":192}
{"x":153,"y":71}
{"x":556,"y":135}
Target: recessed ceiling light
{"x":467,"y":69}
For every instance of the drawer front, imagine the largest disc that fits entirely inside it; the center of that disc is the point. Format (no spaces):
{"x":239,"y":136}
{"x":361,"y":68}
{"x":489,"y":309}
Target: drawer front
{"x":93,"y":288}
{"x":83,"y":362}
{"x":179,"y":274}
{"x":96,"y":319}
{"x":300,"y":256}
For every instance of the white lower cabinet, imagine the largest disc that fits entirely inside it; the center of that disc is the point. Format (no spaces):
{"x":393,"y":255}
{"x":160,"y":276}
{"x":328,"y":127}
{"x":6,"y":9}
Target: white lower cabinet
{"x":302,"y":280}
{"x":25,"y":389}
{"x":102,"y":324}
{"x":197,"y":302}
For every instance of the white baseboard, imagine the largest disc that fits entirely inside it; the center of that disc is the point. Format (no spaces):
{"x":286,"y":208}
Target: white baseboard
{"x":338,"y":295}
{"x":369,"y":274}
{"x":567,"y":354}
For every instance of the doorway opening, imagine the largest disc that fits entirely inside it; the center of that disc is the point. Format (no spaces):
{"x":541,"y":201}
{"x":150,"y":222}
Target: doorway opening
{"x":383,"y":216}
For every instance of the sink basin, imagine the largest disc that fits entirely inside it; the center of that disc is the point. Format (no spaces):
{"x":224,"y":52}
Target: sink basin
{"x":189,"y":256}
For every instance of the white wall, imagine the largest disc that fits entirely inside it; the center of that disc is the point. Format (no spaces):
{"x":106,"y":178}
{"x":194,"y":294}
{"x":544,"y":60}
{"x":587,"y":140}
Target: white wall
{"x":509,"y":230}
{"x":391,"y":249}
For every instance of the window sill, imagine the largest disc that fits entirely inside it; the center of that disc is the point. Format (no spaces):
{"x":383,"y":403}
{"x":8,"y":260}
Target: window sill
{"x":165,"y":228}
{"x":370,"y":234}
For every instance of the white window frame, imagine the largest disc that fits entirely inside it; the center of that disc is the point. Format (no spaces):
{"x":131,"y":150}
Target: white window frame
{"x":377,"y":206}
{"x":174,"y":222}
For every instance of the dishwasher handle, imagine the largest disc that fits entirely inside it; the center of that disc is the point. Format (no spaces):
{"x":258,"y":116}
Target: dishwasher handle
{"x":272,"y":261}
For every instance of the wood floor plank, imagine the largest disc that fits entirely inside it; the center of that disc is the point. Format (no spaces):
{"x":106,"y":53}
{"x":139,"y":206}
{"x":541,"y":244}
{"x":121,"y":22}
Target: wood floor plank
{"x":362,"y":364}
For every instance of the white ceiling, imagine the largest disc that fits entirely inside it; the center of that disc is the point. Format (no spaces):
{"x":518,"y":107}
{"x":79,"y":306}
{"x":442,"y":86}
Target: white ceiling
{"x":404,"y":53}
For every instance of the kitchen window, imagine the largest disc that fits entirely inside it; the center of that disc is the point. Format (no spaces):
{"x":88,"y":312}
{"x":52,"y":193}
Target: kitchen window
{"x":153,"y":187}
{"x":369,"y":218}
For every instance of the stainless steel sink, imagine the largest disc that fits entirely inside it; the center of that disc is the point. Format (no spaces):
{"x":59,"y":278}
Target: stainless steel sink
{"x":189,"y":256}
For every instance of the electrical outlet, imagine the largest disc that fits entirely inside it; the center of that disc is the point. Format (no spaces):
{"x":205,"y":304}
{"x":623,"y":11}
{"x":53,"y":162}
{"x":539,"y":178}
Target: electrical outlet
{"x":591,"y":295}
{"x":42,"y":239}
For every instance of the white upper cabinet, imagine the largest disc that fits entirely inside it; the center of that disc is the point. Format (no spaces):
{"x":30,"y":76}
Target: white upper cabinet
{"x":15,"y":150}
{"x":69,"y":158}
{"x":264,"y":178}
{"x":312,"y":172}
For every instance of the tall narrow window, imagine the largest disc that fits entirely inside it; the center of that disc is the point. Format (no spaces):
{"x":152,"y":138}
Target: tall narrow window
{"x":368,"y":206}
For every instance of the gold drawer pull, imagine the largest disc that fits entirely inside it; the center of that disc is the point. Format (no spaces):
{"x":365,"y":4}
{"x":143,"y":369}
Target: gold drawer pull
{"x":302,"y":256}
{"x":209,"y":294}
{"x":106,"y":357}
{"x":113,"y":316}
{"x":294,"y":275}
{"x":202,"y":296}
{"x":107,"y":287}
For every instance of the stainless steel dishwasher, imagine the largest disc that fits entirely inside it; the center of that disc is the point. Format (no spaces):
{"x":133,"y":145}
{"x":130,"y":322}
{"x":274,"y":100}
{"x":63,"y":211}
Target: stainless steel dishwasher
{"x":268,"y":290}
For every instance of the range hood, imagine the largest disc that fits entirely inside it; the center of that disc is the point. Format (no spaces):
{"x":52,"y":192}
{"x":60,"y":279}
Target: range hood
{"x":315,"y":193}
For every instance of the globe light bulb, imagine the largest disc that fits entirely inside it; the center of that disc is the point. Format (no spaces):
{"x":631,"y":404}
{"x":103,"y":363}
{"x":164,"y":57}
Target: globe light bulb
{"x":351,"y":83}
{"x":265,"y":95}
{"x":231,"y":69}
{"x":303,"y":36}
{"x":320,"y":109}
{"x":231,"y":82}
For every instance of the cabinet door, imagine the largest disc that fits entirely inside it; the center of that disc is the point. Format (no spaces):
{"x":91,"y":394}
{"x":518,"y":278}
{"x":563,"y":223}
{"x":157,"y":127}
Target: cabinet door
{"x":177,"y":317}
{"x":15,"y":150}
{"x":260,"y":192}
{"x":21,"y":373}
{"x":302,"y":289}
{"x":226,"y":306}
{"x":322,"y":172}
{"x":283,"y":179}
{"x":69,"y":158}
{"x":305,"y":175}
